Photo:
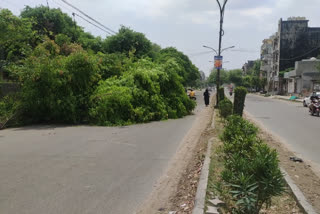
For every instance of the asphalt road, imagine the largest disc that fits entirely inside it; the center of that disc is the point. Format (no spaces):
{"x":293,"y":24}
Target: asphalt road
{"x":290,"y":121}
{"x":82,"y":170}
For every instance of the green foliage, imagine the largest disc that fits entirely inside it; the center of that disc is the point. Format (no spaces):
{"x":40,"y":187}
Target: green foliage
{"x":69,"y":76}
{"x":256,"y":82}
{"x":263,"y":83}
{"x":49,"y":22}
{"x":146,"y":92}
{"x":212,"y":79}
{"x":112,"y":64}
{"x":189,"y":72}
{"x":281,"y":73}
{"x":221,"y":94}
{"x":90,"y":43}
{"x":235,"y":76}
{"x":236,"y":129}
{"x":251,"y":168}
{"x":62,"y":39}
{"x":56,"y":89}
{"x":247,"y":81}
{"x":225,"y":108}
{"x":254,"y":179}
{"x":16,"y":37}
{"x":126,"y":41}
{"x":9,"y":106}
{"x":239,"y":100}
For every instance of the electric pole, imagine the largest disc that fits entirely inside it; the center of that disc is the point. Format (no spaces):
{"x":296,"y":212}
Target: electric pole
{"x":221,"y":33}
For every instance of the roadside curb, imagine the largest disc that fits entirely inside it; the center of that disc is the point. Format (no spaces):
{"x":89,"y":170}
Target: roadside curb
{"x":280,"y":98}
{"x":298,"y":195}
{"x":199,"y":205}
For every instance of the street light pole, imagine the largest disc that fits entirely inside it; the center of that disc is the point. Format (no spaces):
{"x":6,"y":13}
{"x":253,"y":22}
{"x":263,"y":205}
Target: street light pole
{"x":221,"y":33}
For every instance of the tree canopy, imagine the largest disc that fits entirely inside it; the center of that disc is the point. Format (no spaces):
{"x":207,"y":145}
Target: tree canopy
{"x":126,"y":41}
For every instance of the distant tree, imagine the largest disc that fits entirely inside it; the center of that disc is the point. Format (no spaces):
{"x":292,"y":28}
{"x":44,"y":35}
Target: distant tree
{"x":256,"y":68}
{"x":256,"y":83}
{"x":212,"y":79}
{"x":247,"y":81}
{"x":126,"y":41}
{"x":235,"y":76}
{"x":264,"y":82}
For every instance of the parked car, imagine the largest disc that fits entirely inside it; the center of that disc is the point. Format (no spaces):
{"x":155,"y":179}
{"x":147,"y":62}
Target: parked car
{"x":307,"y":101}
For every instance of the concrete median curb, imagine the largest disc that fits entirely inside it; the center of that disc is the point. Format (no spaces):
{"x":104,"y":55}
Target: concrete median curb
{"x":200,"y":199}
{"x":298,"y":195}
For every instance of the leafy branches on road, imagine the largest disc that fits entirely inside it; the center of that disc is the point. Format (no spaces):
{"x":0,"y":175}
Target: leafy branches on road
{"x":70,"y":76}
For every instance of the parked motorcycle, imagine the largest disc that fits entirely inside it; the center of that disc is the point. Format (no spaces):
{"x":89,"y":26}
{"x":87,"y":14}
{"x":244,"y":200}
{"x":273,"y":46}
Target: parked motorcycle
{"x":314,"y":107}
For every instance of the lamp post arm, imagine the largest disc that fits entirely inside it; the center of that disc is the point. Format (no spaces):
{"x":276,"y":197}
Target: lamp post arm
{"x":210,"y":48}
{"x":227,"y":48}
{"x":219,"y":5}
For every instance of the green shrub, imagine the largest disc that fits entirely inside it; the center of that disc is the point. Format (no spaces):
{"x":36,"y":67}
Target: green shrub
{"x":239,"y":100}
{"x":251,"y":168}
{"x":221,"y":94}
{"x":255,"y":179}
{"x":225,"y":108}
{"x":237,"y":127}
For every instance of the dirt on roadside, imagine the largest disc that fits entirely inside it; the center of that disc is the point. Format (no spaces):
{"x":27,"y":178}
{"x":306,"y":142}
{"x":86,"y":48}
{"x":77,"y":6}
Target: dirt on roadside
{"x":176,"y":189}
{"x":302,"y":173}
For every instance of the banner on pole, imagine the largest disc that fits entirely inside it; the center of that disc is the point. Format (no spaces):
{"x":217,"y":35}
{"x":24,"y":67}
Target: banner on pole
{"x":218,"y":62}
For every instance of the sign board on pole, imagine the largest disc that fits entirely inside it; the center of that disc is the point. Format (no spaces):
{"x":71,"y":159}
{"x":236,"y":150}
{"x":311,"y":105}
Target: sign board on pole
{"x":218,"y":62}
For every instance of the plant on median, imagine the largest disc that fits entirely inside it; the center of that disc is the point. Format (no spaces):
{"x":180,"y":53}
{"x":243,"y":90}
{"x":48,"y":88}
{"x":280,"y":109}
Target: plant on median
{"x":251,"y":169}
{"x":239,"y":100}
{"x":225,"y":108}
{"x":221,"y":94}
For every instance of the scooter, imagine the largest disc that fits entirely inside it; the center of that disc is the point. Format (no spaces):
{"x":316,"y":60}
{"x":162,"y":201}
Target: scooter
{"x":192,"y":97}
{"x":314,"y":107}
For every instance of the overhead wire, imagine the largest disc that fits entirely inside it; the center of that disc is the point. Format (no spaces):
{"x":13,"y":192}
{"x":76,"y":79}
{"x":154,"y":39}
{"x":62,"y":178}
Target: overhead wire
{"x":199,"y":53}
{"x":93,"y":24}
{"x":75,"y":14}
{"x":92,"y":19}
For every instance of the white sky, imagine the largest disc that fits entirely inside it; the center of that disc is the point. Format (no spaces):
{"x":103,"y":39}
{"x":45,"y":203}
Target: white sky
{"x":189,"y":24}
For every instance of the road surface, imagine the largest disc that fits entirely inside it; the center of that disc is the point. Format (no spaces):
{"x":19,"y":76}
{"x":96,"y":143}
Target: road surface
{"x":82,"y":170}
{"x":289,"y":120}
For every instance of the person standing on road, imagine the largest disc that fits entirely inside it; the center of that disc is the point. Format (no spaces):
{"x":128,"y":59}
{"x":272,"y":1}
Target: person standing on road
{"x":206,"y":95}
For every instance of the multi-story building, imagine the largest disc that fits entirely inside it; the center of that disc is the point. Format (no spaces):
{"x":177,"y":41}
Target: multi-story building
{"x":266,"y":60}
{"x":294,"y":41}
